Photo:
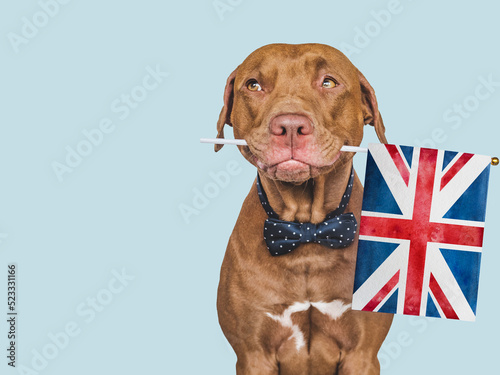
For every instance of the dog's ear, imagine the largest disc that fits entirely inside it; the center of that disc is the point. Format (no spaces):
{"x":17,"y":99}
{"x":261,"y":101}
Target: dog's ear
{"x":225,"y":113}
{"x":370,"y":108}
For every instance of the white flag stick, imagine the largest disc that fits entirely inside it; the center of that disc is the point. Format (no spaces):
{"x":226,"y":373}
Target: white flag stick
{"x":221,"y":141}
{"x":242,"y":142}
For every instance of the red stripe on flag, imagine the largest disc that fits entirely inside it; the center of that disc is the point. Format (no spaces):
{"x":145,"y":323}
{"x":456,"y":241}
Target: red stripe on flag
{"x":404,"y":229}
{"x":441,"y":299}
{"x":386,"y":227}
{"x":455,"y":234}
{"x":399,"y":162}
{"x":455,"y":168}
{"x":421,"y":216}
{"x":379,"y":297}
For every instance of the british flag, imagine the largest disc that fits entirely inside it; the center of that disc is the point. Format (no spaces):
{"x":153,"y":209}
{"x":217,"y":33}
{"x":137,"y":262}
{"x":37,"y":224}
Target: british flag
{"x":421,"y":232}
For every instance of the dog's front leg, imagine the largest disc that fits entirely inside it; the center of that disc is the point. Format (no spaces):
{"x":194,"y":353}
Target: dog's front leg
{"x":257,"y":363}
{"x":359,"y":363}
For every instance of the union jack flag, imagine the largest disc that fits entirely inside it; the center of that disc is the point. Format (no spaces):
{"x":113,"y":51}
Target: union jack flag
{"x":421,"y":232}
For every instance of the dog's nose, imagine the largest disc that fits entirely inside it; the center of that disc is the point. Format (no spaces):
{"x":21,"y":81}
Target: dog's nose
{"x":291,"y":128}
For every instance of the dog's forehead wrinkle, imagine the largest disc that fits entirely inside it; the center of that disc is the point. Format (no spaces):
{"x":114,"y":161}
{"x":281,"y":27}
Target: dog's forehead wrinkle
{"x":318,"y":62}
{"x":319,"y":65}
{"x":272,"y":60}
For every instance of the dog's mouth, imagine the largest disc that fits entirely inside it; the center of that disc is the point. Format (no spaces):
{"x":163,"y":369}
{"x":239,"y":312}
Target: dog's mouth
{"x":293,"y":163}
{"x":294,"y":170}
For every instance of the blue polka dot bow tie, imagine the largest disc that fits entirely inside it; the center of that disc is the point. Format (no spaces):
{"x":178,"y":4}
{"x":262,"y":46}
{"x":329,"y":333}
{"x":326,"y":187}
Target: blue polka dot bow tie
{"x":337,"y":230}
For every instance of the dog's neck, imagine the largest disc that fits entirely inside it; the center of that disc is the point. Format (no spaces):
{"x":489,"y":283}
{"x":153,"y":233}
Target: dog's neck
{"x":310,"y":201}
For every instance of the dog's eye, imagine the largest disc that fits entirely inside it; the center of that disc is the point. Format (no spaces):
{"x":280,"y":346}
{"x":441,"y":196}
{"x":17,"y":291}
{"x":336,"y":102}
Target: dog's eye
{"x":253,"y":85}
{"x":329,"y":83}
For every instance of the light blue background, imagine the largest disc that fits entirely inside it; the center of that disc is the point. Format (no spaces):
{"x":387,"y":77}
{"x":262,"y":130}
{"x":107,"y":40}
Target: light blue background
{"x":119,"y":209}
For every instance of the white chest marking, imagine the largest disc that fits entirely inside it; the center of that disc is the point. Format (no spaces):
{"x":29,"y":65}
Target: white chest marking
{"x":285,"y":320}
{"x":333,"y":310}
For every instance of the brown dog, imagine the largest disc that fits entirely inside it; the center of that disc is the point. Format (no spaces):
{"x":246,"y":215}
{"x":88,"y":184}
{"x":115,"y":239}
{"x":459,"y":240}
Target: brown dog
{"x":296,"y":106}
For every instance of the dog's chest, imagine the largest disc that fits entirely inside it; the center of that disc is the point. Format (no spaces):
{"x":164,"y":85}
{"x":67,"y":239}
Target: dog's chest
{"x":316,"y":296}
{"x":294,"y":326}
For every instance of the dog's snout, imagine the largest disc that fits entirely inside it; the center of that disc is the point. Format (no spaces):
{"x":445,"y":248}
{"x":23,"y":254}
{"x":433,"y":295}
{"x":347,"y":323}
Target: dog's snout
{"x":291,"y":126}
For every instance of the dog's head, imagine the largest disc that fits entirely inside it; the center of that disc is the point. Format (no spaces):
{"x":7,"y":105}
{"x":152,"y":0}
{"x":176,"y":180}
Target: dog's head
{"x":296,"y":106}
